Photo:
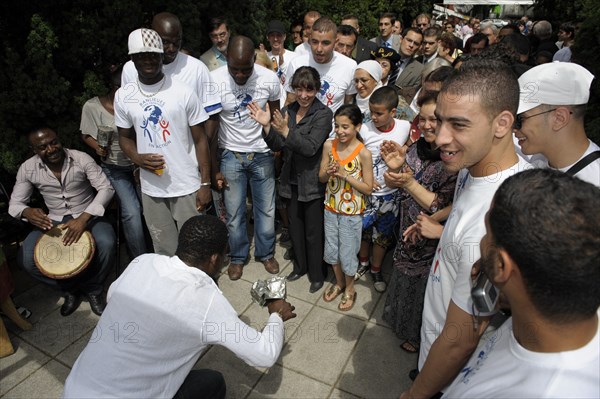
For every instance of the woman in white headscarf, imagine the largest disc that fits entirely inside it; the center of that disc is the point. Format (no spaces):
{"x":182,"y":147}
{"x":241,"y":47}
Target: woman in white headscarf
{"x":367,"y":79}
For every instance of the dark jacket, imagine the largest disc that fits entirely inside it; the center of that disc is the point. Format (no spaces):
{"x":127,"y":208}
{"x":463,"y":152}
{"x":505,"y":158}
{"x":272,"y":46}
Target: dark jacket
{"x":302,"y":148}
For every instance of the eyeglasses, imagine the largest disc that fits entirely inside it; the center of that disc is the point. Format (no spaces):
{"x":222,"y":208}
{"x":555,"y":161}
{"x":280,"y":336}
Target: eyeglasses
{"x":520,"y":118}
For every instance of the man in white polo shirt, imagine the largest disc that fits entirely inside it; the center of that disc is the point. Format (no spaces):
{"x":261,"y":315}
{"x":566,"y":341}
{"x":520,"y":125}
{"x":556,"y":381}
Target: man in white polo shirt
{"x":160,"y":130}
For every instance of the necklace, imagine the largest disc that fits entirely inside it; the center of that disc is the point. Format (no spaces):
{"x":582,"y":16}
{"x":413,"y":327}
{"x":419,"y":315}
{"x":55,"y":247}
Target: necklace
{"x":152,"y":94}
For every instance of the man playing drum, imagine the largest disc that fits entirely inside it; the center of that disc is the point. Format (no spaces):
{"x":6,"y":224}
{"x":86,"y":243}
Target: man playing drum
{"x":67,"y":180}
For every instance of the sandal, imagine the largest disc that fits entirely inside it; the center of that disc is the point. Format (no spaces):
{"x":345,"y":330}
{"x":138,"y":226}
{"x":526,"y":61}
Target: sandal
{"x":345,"y":299}
{"x":410,"y":348}
{"x":332,"y":292}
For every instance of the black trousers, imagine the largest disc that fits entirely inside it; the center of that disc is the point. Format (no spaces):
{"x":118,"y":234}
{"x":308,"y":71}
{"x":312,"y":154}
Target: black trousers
{"x":206,"y":384}
{"x":307,"y":234}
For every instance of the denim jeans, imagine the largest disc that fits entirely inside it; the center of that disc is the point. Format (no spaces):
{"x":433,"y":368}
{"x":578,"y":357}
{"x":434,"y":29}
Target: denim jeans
{"x":121,"y":178}
{"x":258,"y":169}
{"x":89,"y":281}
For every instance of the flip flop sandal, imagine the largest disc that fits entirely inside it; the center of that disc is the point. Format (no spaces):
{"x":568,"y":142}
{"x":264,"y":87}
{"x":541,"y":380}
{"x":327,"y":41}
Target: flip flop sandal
{"x":332,"y":292}
{"x":410,"y":348}
{"x":346,"y":298}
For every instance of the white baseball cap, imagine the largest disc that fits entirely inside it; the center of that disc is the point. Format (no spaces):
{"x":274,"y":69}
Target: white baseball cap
{"x":554,"y":83}
{"x":144,"y":41}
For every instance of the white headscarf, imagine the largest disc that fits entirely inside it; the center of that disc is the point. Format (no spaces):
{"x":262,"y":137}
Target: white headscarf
{"x":374,"y":69}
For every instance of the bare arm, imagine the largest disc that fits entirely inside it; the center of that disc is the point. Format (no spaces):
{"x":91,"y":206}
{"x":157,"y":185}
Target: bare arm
{"x":93,"y":144}
{"x":203,"y":197}
{"x":323,"y":175}
{"x":128,"y":144}
{"x":448,"y":354}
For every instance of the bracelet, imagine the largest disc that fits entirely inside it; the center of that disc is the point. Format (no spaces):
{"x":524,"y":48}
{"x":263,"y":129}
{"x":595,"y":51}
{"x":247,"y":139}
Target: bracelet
{"x":204,"y":184}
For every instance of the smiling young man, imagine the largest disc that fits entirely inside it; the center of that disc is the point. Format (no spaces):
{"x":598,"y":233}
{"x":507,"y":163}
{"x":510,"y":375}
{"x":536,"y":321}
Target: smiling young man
{"x":336,"y":70}
{"x":475,"y":113}
{"x":160,"y":122}
{"x":550,"y":118}
{"x":278,"y":54}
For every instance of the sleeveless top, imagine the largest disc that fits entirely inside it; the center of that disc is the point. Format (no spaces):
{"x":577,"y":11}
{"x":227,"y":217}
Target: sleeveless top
{"x":340,"y":196}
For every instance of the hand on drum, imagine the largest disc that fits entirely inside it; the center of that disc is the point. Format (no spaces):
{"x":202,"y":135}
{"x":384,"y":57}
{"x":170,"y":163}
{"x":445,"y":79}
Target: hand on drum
{"x":38,"y":218}
{"x":75,"y":228}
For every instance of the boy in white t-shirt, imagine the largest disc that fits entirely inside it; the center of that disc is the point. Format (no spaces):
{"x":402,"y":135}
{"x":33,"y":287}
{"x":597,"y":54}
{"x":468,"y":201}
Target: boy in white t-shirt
{"x":381,"y":212}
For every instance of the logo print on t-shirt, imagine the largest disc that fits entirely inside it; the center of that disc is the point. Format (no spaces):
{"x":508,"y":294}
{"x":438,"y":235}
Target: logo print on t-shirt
{"x":326,"y":94}
{"x":242,"y":101}
{"x":155,"y":124}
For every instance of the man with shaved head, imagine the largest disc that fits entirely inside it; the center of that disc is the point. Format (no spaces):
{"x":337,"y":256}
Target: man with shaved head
{"x":244,"y":156}
{"x":309,"y":20}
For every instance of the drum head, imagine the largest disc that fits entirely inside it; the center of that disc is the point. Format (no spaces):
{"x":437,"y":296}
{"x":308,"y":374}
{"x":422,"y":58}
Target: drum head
{"x":58,"y":261}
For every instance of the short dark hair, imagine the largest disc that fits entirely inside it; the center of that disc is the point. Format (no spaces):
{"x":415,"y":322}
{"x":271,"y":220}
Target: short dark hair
{"x":386,"y":96}
{"x":215,"y":22}
{"x":306,"y":77}
{"x":351,"y":111}
{"x":548,"y":222}
{"x":200,"y":238}
{"x":568,"y":27}
{"x":478,"y":38}
{"x":324,"y":24}
{"x":511,"y":27}
{"x":440,"y":74}
{"x":447,"y":40}
{"x":347,"y":30}
{"x":411,"y":29}
{"x":389,"y":15}
{"x":426,"y":97}
{"x":433,"y":31}
{"x":492,"y":81}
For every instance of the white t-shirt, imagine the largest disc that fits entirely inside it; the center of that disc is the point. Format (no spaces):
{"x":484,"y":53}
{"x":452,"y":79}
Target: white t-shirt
{"x":288,"y":56}
{"x":372,"y":138}
{"x":337,"y":78}
{"x":188,"y":70}
{"x":450,"y":274}
{"x":501,"y":367}
{"x":590,"y":173}
{"x":302,"y":49}
{"x":161,"y":315}
{"x":237,"y":131}
{"x":162,"y":125}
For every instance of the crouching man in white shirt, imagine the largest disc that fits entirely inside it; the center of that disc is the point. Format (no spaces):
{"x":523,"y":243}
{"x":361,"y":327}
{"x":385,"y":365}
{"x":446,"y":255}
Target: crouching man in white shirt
{"x":541,"y":249}
{"x":161,"y":315}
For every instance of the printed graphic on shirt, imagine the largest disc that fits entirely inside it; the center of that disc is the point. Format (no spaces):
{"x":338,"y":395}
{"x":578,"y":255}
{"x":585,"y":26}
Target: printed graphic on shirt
{"x":327,"y":92}
{"x":468,"y":372}
{"x":242,"y":99}
{"x":155,"y":123}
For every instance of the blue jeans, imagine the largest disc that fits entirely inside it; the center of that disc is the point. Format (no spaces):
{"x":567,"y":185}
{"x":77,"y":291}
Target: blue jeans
{"x":258,"y":169}
{"x":121,"y":178}
{"x":89,"y":281}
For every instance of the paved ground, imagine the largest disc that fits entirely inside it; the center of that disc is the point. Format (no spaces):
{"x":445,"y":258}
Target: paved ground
{"x":327,"y":354}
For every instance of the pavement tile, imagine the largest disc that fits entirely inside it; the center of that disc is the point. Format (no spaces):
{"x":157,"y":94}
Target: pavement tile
{"x":366,"y":299}
{"x":379,"y":356}
{"x":324,"y":338}
{"x":46,"y":382}
{"x":41,"y":300}
{"x":239,"y":377}
{"x":280,"y":382}
{"x":70,"y":355}
{"x":20,"y":365}
{"x":337,"y":394}
{"x":54,"y":333}
{"x":237,"y":292}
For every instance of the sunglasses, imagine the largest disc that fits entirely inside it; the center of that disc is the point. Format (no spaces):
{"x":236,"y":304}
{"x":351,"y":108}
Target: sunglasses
{"x":520,"y":118}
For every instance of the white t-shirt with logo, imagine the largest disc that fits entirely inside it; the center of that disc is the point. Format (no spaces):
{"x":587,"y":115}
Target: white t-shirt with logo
{"x":337,"y":78}
{"x":372,"y":139}
{"x":162,"y":126}
{"x":501,"y":367}
{"x":450,"y":274}
{"x":288,"y":56}
{"x":188,"y":70}
{"x":237,"y":131}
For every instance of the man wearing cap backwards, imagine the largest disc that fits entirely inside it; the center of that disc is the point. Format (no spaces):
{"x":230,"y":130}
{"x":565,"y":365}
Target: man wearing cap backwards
{"x":475,"y":113}
{"x":160,"y":130}
{"x":552,"y":105}
{"x":336,"y":70}
{"x":278,"y":54}
{"x":244,"y":156}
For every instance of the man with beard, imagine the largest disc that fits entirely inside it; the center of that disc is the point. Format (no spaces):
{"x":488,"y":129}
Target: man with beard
{"x":219,"y":34}
{"x":549,"y":348}
{"x":66,"y":179}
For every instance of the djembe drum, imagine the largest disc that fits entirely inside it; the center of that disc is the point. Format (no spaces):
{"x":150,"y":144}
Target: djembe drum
{"x":58,"y":261}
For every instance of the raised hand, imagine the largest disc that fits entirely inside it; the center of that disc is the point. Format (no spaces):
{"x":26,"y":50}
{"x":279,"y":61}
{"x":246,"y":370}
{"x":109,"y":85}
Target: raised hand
{"x":280,"y":122}
{"x":393,"y":154}
{"x":260,"y":116}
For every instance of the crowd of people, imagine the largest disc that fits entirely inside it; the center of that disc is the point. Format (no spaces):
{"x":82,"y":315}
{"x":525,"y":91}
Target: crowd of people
{"x":458,"y":146}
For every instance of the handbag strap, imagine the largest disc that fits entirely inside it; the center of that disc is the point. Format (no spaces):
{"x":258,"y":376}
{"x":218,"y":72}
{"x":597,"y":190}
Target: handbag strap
{"x":583,"y":162}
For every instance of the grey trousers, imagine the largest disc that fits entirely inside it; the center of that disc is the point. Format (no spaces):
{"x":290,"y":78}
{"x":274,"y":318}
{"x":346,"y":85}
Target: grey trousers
{"x":164,"y":217}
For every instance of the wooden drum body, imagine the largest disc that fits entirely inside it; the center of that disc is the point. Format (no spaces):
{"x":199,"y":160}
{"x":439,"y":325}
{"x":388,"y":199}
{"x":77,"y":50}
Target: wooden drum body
{"x":58,"y":261}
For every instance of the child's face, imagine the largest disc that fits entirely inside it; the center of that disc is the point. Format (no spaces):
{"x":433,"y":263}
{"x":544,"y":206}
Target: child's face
{"x":381,"y":116}
{"x":345,"y":130}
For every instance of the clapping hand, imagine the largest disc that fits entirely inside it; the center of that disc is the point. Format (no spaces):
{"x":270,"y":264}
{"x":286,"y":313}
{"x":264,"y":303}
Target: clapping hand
{"x":393,"y":154}
{"x":261,"y":116}
{"x":280,"y":122}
